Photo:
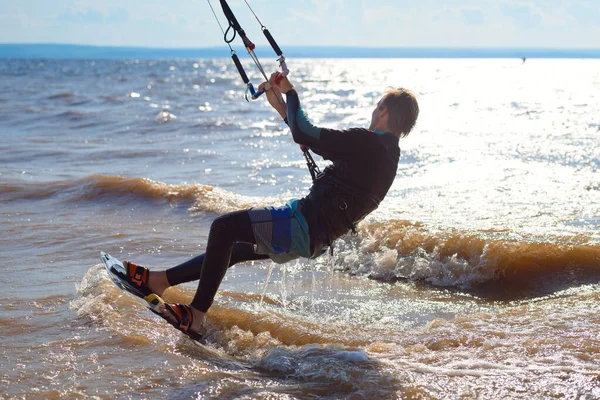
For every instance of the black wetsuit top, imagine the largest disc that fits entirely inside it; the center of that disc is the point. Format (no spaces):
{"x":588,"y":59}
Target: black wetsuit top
{"x":363,"y":169}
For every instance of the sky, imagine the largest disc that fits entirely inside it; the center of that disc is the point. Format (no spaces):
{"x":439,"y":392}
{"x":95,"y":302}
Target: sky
{"x":566,"y":24}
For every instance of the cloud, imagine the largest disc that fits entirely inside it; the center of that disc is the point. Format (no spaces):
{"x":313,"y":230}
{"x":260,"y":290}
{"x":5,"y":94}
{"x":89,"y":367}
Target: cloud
{"x":88,"y":16}
{"x":323,"y":12}
{"x":118,"y":16}
{"x":382,"y":14}
{"x":305,"y":16}
{"x":523,"y":14}
{"x":584,"y":12}
{"x":473,"y":16}
{"x":84,"y":12}
{"x":372,"y":23}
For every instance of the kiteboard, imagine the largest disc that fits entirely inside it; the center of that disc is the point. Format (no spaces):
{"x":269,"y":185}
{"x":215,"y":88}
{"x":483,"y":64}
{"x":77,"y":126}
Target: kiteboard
{"x":116,"y":272}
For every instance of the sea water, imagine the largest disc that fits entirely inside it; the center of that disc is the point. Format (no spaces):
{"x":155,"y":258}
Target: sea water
{"x":477,"y":277}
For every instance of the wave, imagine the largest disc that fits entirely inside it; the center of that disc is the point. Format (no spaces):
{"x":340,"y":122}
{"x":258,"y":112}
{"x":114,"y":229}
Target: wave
{"x":72,"y":115}
{"x":164,"y":117}
{"x":489,"y":264}
{"x":64,"y":95}
{"x":112,"y":99}
{"x":219,"y":123}
{"x":122,"y":190}
{"x":282,"y":346}
{"x":255,"y":329}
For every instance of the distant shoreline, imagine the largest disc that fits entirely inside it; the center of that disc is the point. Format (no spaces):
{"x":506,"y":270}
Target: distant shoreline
{"x":68,"y":51}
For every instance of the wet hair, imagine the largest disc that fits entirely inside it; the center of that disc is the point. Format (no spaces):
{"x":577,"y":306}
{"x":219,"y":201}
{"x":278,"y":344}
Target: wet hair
{"x":403,"y":110}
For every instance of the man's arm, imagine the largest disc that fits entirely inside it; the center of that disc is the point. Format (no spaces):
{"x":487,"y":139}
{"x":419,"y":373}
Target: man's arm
{"x":275,"y":98}
{"x":330,"y":143}
{"x":303,"y":130}
{"x":273,"y":92}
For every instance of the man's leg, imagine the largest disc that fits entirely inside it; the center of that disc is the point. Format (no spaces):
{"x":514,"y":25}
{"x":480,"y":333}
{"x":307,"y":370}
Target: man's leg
{"x":225,"y":232}
{"x":190,"y":270}
{"x":271,"y":229}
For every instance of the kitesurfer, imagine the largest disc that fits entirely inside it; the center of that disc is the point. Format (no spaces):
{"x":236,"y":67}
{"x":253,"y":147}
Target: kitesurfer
{"x":364,"y":164}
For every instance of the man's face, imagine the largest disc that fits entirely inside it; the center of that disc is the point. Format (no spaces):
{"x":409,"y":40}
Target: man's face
{"x":379,"y":114}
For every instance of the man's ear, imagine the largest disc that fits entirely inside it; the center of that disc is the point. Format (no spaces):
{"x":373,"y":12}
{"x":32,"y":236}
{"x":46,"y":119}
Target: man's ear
{"x":384,"y":112}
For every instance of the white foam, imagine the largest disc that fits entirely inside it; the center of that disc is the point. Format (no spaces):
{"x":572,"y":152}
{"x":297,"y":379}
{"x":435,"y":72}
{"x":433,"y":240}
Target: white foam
{"x":164,"y":116}
{"x":359,"y":256}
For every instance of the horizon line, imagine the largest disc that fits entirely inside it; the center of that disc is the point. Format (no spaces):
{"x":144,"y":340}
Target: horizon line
{"x":431,"y":47}
{"x":85,"y":51}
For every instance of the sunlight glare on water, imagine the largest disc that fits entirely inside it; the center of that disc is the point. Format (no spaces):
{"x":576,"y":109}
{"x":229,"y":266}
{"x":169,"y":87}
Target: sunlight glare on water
{"x":477,"y":276}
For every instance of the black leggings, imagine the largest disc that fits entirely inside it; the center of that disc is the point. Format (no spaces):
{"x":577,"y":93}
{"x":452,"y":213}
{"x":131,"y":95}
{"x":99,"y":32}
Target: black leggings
{"x":230,"y":241}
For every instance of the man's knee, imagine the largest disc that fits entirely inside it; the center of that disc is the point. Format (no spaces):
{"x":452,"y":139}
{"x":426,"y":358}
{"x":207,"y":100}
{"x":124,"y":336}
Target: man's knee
{"x":229,"y":220}
{"x":230,"y":224}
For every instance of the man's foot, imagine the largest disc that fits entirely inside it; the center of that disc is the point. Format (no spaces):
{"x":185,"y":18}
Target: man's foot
{"x":148,"y":281}
{"x":197,"y":320}
{"x":158,"y":282}
{"x":183,"y":317}
{"x":136,"y":277}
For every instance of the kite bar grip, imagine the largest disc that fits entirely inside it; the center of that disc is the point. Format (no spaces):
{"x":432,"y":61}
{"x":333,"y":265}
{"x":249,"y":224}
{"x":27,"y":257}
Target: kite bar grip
{"x":278,"y":51}
{"x":256,"y":95}
{"x":240,"y":69}
{"x":272,"y":42}
{"x":253,"y":93}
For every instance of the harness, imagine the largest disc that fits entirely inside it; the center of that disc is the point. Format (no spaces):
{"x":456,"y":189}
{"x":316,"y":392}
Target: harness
{"x":341,"y":206}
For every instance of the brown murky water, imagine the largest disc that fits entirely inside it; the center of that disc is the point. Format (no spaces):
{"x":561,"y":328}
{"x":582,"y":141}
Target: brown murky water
{"x":478,"y":278}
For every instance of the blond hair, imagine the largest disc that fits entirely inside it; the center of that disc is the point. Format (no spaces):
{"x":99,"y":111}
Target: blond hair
{"x":403,"y":110}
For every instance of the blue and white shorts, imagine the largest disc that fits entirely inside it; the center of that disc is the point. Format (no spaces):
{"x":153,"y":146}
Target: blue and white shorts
{"x":280,"y":232}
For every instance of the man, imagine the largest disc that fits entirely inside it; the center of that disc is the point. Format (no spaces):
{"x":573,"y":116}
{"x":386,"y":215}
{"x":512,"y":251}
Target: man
{"x":364,"y":164}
